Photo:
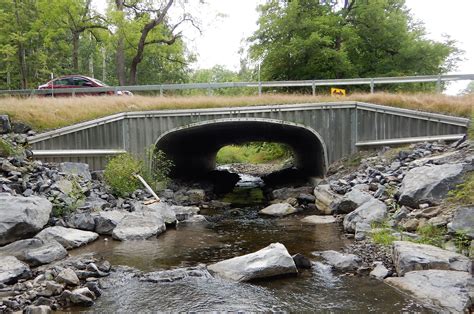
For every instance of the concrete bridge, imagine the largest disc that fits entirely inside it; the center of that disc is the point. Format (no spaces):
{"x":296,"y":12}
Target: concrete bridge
{"x":318,"y":133}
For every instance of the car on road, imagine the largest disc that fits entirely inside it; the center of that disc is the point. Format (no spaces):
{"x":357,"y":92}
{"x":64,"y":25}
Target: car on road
{"x":77,"y":81}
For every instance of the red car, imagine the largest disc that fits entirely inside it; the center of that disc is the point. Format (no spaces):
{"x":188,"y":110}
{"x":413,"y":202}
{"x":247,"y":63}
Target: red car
{"x":77,"y":81}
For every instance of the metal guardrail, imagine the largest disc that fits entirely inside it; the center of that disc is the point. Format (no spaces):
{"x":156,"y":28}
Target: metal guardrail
{"x":438,"y":79}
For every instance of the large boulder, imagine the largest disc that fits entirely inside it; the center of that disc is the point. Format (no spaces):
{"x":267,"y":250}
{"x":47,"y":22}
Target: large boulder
{"x":82,"y":221}
{"x":270,"y":261}
{"x":409,"y":256}
{"x":325,"y":198}
{"x":280,"y":209}
{"x":429,"y":184}
{"x":163,"y":210}
{"x":76,"y":169}
{"x":446,"y":290}
{"x":34,"y":251}
{"x":371,"y":211}
{"x":21,"y":217}
{"x":350,"y":201}
{"x":67,"y":237}
{"x":463,"y":221}
{"x":106,"y":221}
{"x":340,"y":261}
{"x":138,"y":226}
{"x":11,"y":269}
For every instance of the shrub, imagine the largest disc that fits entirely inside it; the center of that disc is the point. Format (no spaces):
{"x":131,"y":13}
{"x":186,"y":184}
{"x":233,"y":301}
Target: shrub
{"x":120,"y":174}
{"x":157,"y":168}
{"x":254,"y":153}
{"x":383,"y":237}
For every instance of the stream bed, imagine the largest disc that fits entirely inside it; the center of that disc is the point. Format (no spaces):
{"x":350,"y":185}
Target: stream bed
{"x":230,"y":234}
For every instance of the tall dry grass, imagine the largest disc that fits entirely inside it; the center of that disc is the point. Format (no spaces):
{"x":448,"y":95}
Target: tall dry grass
{"x":50,"y":113}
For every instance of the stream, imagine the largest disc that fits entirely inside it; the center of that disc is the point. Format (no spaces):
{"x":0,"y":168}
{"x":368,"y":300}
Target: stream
{"x":189,"y":244}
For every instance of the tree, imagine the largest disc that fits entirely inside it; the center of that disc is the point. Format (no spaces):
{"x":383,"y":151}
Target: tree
{"x":469,"y":88}
{"x":307,"y":39}
{"x":151,"y":22}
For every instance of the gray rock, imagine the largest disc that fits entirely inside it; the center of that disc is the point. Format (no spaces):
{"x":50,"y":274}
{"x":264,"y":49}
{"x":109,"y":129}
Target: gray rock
{"x":94,"y":203}
{"x":371,"y":211}
{"x":285,"y":193}
{"x":164,"y":211}
{"x":196,"y":196}
{"x":280,"y":209}
{"x":45,"y":254}
{"x":409,"y":256}
{"x":5,"y":126}
{"x":176,"y":274}
{"x":301,"y":261}
{"x":138,"y":227}
{"x":21,"y":217}
{"x":196,"y":219}
{"x":446,"y":290}
{"x":68,"y":277}
{"x":184,"y":212}
{"x":63,"y":185}
{"x":379,"y":272}
{"x":37,"y":309}
{"x":340,"y":261}
{"x":325,"y":198}
{"x":362,"y":230}
{"x":463,"y":221}
{"x":429,"y":184}
{"x":82,"y":221}
{"x":401,"y":213}
{"x":106,"y":221}
{"x":270,"y":261}
{"x":11,"y":269}
{"x":318,"y":219}
{"x":350,"y":201}
{"x":67,"y":237}
{"x":76,"y":168}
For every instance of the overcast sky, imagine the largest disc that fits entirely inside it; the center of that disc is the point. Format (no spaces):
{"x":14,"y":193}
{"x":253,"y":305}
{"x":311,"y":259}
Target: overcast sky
{"x":226,"y":23}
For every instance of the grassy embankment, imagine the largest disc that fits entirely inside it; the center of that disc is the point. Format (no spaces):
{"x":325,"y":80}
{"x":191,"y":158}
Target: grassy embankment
{"x":50,"y":113}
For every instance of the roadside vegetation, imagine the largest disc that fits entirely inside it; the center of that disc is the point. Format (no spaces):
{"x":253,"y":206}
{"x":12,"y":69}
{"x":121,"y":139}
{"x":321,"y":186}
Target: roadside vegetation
{"x":50,"y":113}
{"x":253,"y":153}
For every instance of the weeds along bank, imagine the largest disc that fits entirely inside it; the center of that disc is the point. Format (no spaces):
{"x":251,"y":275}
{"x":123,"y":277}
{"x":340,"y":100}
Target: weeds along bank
{"x":50,"y":113}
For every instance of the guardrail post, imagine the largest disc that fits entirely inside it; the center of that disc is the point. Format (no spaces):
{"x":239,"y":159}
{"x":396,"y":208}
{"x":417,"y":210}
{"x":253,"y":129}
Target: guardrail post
{"x":313,"y":86}
{"x":438,"y":84}
{"x":259,"y":88}
{"x":161,"y":90}
{"x":73,"y":93}
{"x":372,"y":85}
{"x":209,"y":90}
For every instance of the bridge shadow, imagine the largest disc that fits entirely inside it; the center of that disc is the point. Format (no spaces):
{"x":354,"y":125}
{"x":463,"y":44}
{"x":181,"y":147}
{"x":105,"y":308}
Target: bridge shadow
{"x":193,"y":148}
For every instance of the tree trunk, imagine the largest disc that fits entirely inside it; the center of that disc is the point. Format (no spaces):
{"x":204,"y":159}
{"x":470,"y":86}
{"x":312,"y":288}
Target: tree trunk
{"x":21,"y":53}
{"x":120,"y":53}
{"x":142,"y":42}
{"x":75,"y":52}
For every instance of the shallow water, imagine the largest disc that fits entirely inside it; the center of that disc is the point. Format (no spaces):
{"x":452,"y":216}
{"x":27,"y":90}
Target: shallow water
{"x":318,"y":289}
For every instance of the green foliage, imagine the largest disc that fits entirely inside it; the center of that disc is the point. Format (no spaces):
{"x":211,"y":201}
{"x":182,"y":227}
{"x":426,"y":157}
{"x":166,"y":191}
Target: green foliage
{"x":253,"y":152}
{"x":6,"y":148}
{"x":307,"y":39}
{"x":76,"y":199}
{"x":383,"y":236}
{"x":120,"y":174}
{"x":157,"y":168}
{"x":463,"y":193}
{"x":432,"y":235}
{"x":462,"y":241}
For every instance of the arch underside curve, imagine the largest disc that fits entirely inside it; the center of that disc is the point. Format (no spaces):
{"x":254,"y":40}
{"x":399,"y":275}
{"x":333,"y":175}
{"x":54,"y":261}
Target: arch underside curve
{"x":193,"y":147}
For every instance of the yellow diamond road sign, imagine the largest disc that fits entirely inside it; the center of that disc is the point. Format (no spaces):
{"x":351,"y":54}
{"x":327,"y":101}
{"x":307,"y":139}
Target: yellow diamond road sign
{"x":338,"y":92}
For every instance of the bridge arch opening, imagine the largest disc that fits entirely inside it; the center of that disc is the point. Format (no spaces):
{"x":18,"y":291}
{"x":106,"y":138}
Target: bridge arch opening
{"x":193,"y":147}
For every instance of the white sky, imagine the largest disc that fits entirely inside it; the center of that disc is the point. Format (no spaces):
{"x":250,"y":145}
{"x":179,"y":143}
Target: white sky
{"x":226,"y":23}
